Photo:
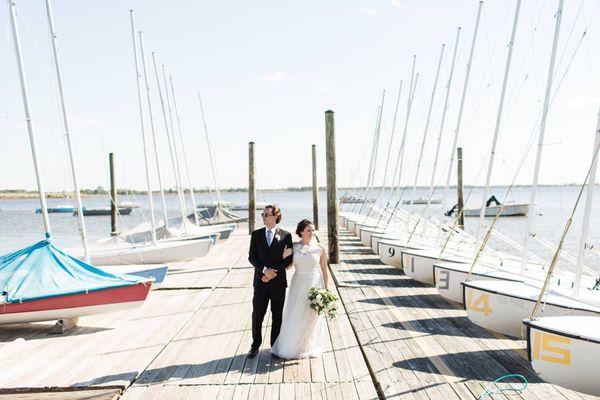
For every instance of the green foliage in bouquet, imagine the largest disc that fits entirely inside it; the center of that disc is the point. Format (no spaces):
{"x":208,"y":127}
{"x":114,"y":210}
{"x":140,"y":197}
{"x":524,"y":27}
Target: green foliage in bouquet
{"x":323,"y":301}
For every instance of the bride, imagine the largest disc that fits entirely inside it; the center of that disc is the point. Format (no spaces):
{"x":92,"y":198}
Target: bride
{"x":303,"y":331}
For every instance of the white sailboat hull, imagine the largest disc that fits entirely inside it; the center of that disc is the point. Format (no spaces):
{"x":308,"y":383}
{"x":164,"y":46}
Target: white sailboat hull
{"x":366,"y":233}
{"x":448,"y":278}
{"x":565,"y":350}
{"x":390,"y":251}
{"x":509,"y":210}
{"x":376,"y":238}
{"x":161,"y":252}
{"x":418,"y":264}
{"x":501,"y":306}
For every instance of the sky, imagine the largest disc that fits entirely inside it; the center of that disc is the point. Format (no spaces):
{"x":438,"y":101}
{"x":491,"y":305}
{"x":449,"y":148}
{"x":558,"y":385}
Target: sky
{"x":268,"y":70}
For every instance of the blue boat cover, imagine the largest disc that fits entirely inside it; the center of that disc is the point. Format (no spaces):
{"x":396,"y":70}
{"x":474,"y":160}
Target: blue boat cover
{"x":42,"y":270}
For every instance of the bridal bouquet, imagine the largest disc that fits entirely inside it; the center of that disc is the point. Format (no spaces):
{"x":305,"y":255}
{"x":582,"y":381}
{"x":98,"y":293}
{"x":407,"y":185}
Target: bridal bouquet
{"x":323,"y":301}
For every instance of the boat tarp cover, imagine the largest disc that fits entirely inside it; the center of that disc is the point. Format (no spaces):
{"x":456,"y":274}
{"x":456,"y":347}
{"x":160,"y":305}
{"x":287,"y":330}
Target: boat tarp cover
{"x":216,"y":215}
{"x":42,"y":271}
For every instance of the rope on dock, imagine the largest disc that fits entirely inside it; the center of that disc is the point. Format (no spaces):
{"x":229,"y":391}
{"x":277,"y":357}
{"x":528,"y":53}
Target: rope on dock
{"x":518,"y":390}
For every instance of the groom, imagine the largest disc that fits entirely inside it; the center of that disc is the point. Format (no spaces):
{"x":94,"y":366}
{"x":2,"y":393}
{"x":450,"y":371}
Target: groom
{"x":266,"y":255}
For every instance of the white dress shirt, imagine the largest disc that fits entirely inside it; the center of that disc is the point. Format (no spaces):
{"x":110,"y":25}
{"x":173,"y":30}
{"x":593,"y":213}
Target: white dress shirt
{"x":273,"y":231}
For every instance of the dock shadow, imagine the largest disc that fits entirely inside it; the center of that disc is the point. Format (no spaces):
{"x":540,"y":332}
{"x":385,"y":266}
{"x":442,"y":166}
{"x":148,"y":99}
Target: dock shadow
{"x":413,"y":301}
{"x":9,"y":333}
{"x":374,"y":271}
{"x":484,"y":365}
{"x":398,"y":283}
{"x":363,"y":261}
{"x":180,"y":373}
{"x":356,"y":251}
{"x":447,"y":326}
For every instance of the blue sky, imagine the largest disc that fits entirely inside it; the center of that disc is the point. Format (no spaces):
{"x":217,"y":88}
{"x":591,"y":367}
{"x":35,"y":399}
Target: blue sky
{"x":267,"y":72}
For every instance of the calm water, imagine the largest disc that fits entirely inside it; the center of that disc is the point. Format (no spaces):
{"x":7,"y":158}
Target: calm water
{"x":20,"y":226}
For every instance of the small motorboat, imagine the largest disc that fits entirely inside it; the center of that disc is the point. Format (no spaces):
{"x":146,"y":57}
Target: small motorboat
{"x":128,"y":204}
{"x":508,"y":210}
{"x":422,"y":200}
{"x":355,"y":200}
{"x":260,"y":205}
{"x":96,"y":211}
{"x":63,"y":208}
{"x":493,"y":207}
{"x":43,"y":283}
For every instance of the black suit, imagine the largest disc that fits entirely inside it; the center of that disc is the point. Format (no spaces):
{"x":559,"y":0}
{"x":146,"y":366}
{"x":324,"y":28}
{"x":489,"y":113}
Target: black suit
{"x":262,"y":255}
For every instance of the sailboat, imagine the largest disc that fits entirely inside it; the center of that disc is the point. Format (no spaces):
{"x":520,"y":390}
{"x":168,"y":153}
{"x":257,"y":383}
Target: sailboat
{"x":564,"y":351}
{"x":509,"y":209}
{"x":502,"y":306}
{"x":40,"y":282}
{"x":142,"y":246}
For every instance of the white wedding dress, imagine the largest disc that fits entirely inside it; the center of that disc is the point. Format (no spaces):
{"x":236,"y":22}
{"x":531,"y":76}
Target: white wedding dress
{"x":303,"y":332}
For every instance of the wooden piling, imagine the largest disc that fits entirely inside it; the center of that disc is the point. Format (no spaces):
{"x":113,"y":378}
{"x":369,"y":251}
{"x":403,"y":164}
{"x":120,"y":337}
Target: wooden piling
{"x":315,"y":188}
{"x":251,"y":189}
{"x":113,"y":195}
{"x":332,"y":205}
{"x":459,"y":189}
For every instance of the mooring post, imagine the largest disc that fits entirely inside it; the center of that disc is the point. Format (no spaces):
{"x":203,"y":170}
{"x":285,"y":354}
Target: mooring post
{"x":251,"y":189}
{"x":113,"y":195}
{"x":332,"y":206}
{"x":315,"y":188}
{"x":459,"y":189}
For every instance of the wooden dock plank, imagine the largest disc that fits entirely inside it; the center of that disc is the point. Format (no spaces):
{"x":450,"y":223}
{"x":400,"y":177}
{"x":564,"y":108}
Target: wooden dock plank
{"x":404,"y":325}
{"x":193,"y":343}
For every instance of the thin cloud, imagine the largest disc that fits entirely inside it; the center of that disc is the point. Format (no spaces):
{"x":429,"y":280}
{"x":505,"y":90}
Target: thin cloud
{"x":274,"y":77}
{"x":369,"y":11}
{"x":322,"y":89}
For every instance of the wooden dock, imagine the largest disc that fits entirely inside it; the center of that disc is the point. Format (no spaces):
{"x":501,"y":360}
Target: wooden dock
{"x":394,"y":338}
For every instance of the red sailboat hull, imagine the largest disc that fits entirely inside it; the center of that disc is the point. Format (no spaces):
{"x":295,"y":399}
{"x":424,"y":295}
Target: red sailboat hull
{"x":75,"y":305}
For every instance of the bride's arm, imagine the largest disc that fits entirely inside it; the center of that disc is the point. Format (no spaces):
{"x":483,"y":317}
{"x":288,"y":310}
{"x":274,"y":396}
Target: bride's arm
{"x":324,"y":270}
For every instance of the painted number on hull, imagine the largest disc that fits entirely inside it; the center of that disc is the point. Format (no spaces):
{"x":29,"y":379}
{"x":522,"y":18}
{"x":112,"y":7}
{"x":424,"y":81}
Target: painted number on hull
{"x":547,"y":347}
{"x":444,"y":280}
{"x":480,"y":304}
{"x":391,"y":251}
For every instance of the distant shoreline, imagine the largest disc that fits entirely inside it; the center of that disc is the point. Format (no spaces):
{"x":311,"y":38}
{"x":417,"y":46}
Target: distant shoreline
{"x":16,"y":194}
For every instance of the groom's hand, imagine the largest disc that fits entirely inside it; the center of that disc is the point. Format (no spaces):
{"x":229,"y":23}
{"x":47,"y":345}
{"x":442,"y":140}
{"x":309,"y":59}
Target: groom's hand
{"x":265,"y":279}
{"x":270,"y":273}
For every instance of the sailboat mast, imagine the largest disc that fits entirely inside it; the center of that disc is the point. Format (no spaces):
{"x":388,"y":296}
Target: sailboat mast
{"x":375,"y":151}
{"x":427,"y":122}
{"x":462,"y":104}
{"x":155,"y":145}
{"x":12,"y":9}
{"x":63,"y":108}
{"x":393,"y":130}
{"x":170,"y":138}
{"x":183,"y":151}
{"x":210,"y":153}
{"x":439,"y":139}
{"x":591,"y":183}
{"x":411,"y":94}
{"x":488,"y":179}
{"x":139,"y":95}
{"x":538,"y":157}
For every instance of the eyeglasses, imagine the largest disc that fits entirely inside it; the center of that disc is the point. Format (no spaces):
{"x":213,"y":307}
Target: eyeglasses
{"x":264,"y":215}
